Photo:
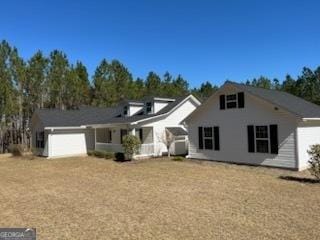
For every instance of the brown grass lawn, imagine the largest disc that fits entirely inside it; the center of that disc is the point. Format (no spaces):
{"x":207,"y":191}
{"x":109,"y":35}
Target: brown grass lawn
{"x":89,"y":198}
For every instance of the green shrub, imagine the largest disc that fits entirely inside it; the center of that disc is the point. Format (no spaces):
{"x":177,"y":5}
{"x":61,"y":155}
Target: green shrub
{"x":314,"y":161}
{"x":131,"y":145}
{"x":178,"y":158}
{"x":90,"y":153}
{"x":108,"y":155}
{"x":16,"y":149}
{"x":101,"y":154}
{"x":119,"y":156}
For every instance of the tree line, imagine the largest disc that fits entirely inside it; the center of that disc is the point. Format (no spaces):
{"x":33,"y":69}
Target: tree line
{"x":54,"y":82}
{"x":306,"y":85}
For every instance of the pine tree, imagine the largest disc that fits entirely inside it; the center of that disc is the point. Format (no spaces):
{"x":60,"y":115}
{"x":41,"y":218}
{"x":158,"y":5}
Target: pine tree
{"x":153,"y":84}
{"x":57,"y":79}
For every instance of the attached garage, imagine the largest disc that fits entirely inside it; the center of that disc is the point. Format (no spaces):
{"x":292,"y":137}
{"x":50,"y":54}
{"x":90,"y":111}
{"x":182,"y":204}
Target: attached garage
{"x":59,"y":133}
{"x":64,"y":144}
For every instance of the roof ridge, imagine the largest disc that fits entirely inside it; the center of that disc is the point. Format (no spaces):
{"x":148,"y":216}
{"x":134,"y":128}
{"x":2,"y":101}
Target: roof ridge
{"x":273,"y":90}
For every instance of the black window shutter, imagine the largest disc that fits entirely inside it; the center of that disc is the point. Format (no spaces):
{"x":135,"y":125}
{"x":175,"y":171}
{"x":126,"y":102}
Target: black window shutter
{"x":250,"y":138}
{"x":274,"y":139}
{"x":141,"y":135}
{"x":241,"y":100}
{"x":222,"y":102}
{"x":216,"y":138}
{"x":200,"y":138}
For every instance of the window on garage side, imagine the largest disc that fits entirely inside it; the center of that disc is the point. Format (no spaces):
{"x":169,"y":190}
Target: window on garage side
{"x":262,"y":139}
{"x":40,"y":139}
{"x":207,"y":137}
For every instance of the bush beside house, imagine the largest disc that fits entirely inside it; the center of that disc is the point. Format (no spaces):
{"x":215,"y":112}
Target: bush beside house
{"x":131,"y":146}
{"x":314,"y":161}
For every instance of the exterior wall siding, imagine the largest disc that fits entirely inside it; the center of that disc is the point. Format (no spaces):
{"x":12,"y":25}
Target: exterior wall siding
{"x":233,"y":132}
{"x":172,"y":120}
{"x":308,"y":134}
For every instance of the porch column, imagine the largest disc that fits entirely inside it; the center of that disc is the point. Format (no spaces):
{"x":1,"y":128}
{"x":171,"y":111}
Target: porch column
{"x":132,"y":131}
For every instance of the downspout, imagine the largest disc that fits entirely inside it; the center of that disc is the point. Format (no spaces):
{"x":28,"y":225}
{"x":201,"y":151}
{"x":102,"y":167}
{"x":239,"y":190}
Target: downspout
{"x":297,"y":148}
{"x":95,"y":138}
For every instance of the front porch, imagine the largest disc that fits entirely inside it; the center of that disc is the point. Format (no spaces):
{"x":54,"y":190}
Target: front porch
{"x":110,"y":139}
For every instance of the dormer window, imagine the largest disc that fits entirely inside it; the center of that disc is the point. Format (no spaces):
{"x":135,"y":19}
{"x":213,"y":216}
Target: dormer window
{"x":125,"y":110}
{"x":149,"y":107}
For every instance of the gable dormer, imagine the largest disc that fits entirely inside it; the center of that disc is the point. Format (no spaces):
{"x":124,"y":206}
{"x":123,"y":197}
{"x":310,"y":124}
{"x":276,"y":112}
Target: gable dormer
{"x":155,"y":104}
{"x":130,"y":108}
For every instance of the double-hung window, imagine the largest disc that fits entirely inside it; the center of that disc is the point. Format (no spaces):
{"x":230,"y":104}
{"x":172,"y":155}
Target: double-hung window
{"x":207,"y":137}
{"x":262,"y":139}
{"x":231,"y":101}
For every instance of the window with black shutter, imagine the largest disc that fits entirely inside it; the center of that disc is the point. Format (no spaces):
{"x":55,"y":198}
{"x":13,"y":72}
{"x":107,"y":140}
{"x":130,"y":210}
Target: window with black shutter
{"x":209,"y":138}
{"x":263,"y":139}
{"x":235,"y":100}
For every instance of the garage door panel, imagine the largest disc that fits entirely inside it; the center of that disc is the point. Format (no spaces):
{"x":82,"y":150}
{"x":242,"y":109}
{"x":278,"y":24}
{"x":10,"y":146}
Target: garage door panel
{"x":65,"y":144}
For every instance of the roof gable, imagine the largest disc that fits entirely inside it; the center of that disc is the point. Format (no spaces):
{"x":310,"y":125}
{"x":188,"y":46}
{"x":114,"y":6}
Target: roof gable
{"x":292,"y":104}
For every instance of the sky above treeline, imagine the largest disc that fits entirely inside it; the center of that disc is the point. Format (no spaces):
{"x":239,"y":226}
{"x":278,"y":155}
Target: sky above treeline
{"x":202,"y":40}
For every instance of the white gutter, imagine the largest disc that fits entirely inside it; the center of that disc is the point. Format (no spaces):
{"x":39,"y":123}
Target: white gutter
{"x":64,"y":128}
{"x":311,"y":119}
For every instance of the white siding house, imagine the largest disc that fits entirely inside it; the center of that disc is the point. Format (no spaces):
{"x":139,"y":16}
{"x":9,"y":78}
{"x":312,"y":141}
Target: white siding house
{"x":58,"y":133}
{"x":248,"y":125}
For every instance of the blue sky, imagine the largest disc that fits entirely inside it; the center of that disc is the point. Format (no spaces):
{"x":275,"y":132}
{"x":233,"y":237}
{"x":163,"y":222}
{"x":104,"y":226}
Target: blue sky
{"x":203,"y":40}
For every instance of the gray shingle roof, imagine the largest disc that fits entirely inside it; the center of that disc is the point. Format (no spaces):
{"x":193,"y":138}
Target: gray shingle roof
{"x":177,"y":131}
{"x":291,"y":103}
{"x":94,"y":115}
{"x":75,"y":118}
{"x":137,"y":117}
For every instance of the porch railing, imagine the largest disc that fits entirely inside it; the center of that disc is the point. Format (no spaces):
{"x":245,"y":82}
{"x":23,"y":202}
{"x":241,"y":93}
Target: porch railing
{"x":145,"y":149}
{"x":109,"y":147}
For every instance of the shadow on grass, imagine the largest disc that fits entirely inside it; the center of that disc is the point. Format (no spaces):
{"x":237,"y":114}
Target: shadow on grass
{"x":300,"y":179}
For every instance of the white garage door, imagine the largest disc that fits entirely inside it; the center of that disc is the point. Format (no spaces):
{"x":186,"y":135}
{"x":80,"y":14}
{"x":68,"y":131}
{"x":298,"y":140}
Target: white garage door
{"x":64,"y":144}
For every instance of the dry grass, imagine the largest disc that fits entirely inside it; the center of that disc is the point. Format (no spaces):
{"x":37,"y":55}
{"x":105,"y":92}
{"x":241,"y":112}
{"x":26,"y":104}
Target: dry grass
{"x":89,"y":198}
